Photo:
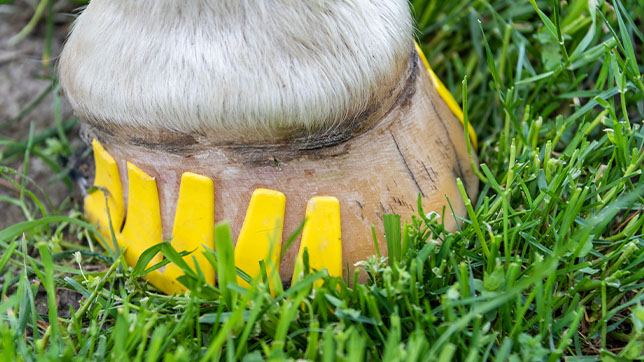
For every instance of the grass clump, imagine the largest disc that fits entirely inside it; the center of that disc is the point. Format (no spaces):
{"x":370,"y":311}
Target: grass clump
{"x":549,"y":263}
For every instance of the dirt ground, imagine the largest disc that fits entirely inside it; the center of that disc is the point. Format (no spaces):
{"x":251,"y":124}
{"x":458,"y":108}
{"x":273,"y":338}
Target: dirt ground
{"x":22,"y":79}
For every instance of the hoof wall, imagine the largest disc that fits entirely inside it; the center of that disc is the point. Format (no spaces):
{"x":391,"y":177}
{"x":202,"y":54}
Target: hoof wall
{"x":260,"y":237}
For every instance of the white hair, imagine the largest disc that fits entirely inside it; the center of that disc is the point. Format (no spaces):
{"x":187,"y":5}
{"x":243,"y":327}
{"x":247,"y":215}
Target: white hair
{"x":251,"y":68}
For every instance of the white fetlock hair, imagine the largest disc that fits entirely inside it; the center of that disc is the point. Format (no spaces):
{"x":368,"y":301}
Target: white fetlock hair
{"x":245,"y":67}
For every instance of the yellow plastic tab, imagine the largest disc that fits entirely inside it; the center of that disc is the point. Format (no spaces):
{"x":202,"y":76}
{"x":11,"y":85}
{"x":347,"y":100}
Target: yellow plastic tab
{"x":194,"y":219}
{"x":108,"y":181}
{"x":193,"y":230}
{"x":321,"y":237}
{"x":142,"y":228}
{"x":260,"y":237}
{"x":447,"y":96}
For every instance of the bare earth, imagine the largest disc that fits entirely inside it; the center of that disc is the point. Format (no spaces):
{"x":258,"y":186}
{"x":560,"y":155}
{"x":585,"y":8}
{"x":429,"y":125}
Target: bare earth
{"x":23,"y":79}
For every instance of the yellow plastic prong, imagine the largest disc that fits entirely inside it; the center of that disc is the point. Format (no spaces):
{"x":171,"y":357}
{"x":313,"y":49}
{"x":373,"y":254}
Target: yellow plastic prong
{"x":446,"y":95}
{"x":193,"y":226}
{"x":321,"y":237}
{"x":193,"y":230}
{"x":143,"y":227}
{"x":108,"y":182}
{"x":260,"y":237}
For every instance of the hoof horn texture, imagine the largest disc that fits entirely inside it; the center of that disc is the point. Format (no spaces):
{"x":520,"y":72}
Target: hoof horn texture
{"x":444,"y":93}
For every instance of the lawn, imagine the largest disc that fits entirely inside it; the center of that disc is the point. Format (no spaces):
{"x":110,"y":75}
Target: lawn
{"x":549,"y":263}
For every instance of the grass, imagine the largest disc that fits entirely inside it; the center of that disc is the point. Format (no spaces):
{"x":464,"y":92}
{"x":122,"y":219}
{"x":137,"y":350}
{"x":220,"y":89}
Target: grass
{"x":549,"y":263}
